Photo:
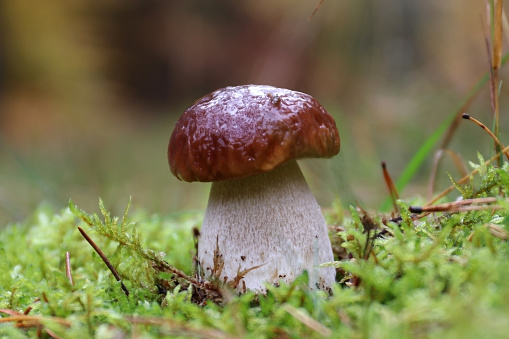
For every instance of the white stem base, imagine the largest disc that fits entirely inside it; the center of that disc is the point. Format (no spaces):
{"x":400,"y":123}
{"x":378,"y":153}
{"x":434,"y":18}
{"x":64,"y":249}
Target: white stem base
{"x":271,"y":219}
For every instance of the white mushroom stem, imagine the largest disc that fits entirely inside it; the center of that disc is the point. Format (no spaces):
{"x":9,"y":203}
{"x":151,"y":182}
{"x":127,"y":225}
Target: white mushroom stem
{"x":271,"y":219}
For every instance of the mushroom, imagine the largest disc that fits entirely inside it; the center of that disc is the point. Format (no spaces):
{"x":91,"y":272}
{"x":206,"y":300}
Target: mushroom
{"x":261,"y":220}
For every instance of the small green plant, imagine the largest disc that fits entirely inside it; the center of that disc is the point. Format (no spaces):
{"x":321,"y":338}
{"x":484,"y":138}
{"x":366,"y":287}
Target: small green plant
{"x":135,"y":263}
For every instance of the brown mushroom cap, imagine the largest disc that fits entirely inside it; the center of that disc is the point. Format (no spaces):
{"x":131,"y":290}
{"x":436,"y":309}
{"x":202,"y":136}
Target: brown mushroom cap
{"x":236,"y":132}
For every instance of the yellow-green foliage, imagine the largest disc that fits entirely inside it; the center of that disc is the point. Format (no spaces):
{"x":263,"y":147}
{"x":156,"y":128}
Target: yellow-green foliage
{"x":441,"y":276}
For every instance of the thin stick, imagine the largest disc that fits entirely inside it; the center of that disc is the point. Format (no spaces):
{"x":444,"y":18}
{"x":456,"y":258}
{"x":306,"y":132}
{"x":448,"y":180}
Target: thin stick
{"x":68,"y":272}
{"x":417,"y":209}
{"x":457,"y":206}
{"x":465,"y":178}
{"x":316,"y":9}
{"x":494,"y":60}
{"x":498,"y":33}
{"x":106,"y":261}
{"x":391,"y":187}
{"x":497,"y":58}
{"x":35,"y":318}
{"x":484,"y":127}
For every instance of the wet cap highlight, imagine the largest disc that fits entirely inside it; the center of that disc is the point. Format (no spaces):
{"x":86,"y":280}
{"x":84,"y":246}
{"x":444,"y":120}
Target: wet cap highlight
{"x":236,"y":132}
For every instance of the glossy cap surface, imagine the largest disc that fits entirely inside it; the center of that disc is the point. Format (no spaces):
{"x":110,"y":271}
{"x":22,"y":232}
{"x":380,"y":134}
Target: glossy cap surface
{"x":240,"y":131}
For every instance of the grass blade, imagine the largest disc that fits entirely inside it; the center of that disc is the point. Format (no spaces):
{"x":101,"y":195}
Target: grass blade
{"x":447,"y":128}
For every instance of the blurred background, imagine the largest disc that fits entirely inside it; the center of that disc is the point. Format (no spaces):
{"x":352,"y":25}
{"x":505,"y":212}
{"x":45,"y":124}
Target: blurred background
{"x":90,"y":91}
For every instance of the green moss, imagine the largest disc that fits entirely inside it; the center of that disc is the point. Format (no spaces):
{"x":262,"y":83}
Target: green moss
{"x":439,"y":276}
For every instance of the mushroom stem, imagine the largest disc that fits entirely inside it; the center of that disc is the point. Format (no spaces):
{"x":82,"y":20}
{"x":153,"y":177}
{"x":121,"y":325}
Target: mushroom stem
{"x":271,"y":219}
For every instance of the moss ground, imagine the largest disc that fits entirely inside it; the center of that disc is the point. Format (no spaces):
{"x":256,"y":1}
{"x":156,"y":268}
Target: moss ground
{"x":445,"y":275}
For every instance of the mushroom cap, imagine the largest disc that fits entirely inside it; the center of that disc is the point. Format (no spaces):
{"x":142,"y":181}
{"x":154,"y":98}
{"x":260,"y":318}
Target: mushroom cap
{"x":236,"y":132}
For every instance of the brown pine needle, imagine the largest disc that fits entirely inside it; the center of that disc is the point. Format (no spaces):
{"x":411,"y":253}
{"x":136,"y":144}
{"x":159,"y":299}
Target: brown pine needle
{"x":27,"y":321}
{"x":34,"y":318}
{"x":494,"y":49}
{"x":105,"y":259}
{"x":484,"y":127}
{"x":391,"y":187}
{"x":68,"y":271}
{"x":465,"y":178}
{"x":498,"y":33}
{"x":316,"y":9}
{"x":458,"y":206}
{"x":10,"y":312}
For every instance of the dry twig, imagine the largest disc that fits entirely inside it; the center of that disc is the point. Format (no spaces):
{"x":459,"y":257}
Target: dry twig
{"x":465,"y":178}
{"x":391,"y":187}
{"x":68,"y":271}
{"x":458,"y":206}
{"x":105,"y":259}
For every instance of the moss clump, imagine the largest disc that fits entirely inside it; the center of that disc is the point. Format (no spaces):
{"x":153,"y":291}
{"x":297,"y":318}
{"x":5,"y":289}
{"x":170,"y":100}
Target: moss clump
{"x":439,"y":276}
